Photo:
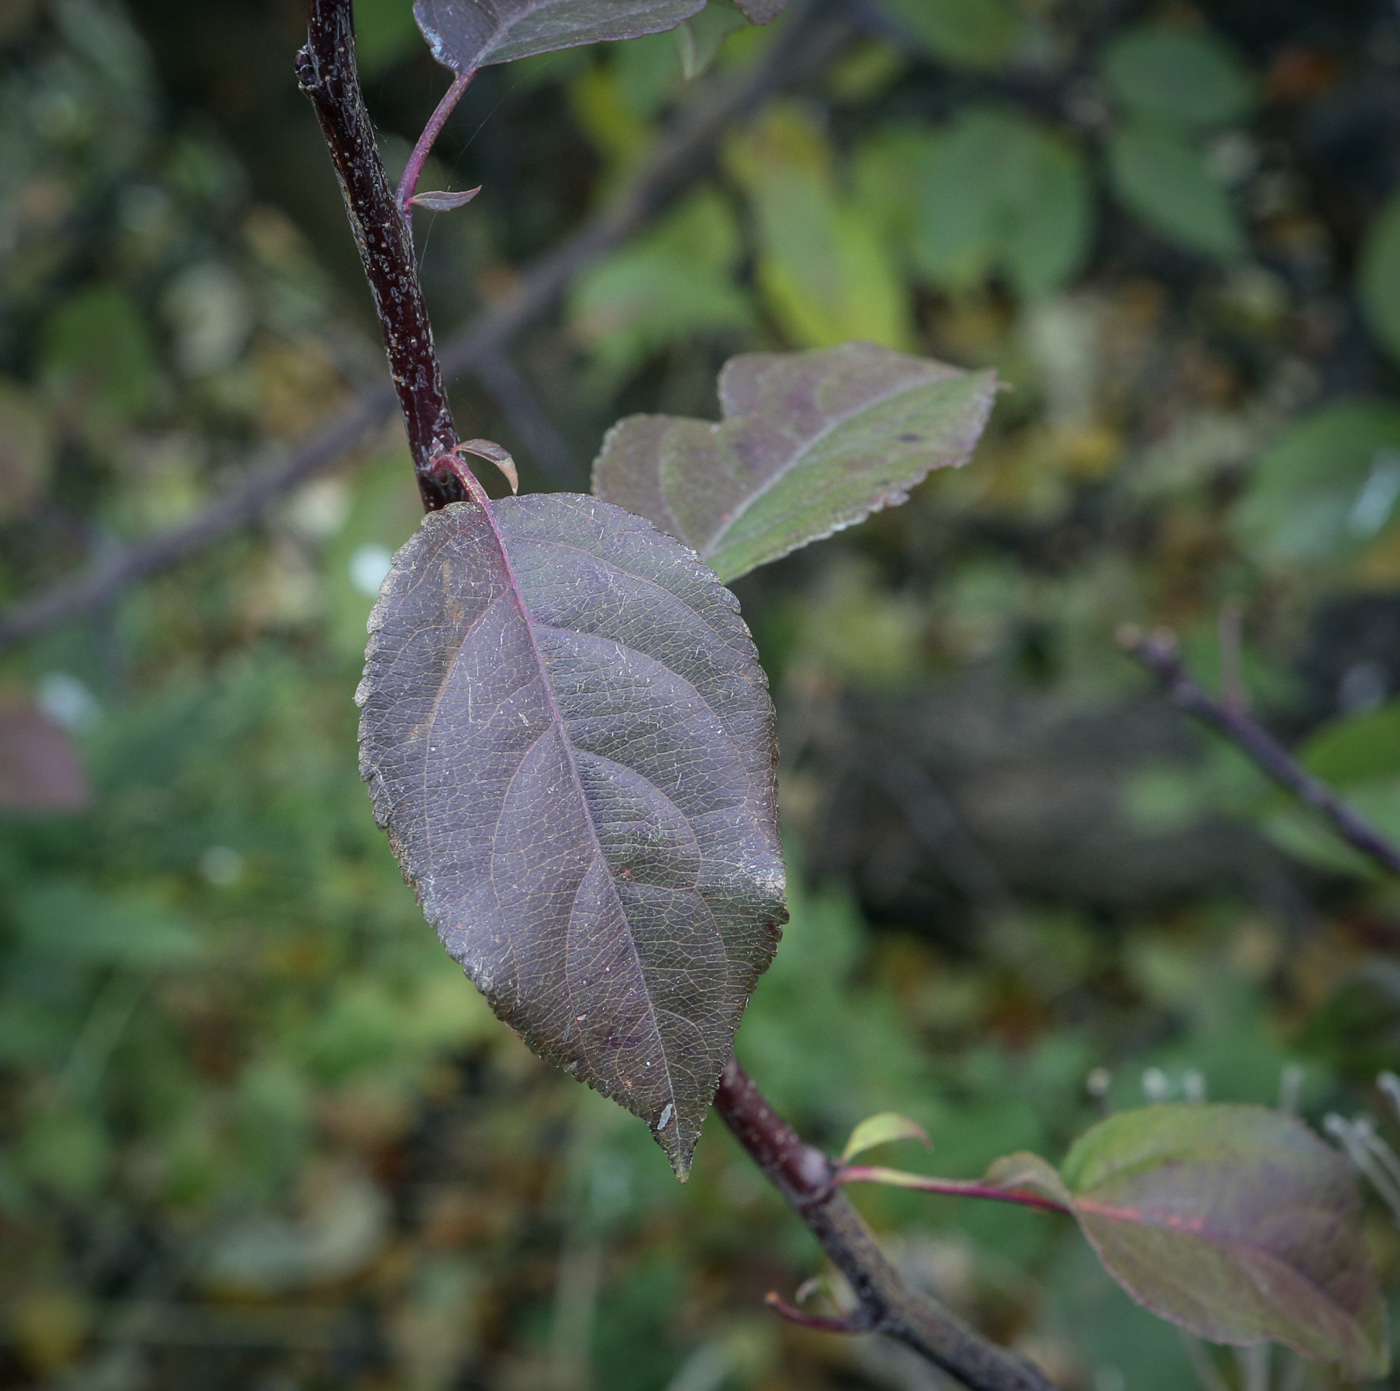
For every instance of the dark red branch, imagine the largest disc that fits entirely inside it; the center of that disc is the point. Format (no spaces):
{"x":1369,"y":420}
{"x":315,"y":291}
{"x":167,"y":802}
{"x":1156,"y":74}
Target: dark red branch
{"x":1159,"y":653}
{"x":804,"y":1176}
{"x":327,"y":72}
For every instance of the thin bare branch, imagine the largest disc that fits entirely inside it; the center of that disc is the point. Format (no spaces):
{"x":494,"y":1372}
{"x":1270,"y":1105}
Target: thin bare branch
{"x":1160,"y":654}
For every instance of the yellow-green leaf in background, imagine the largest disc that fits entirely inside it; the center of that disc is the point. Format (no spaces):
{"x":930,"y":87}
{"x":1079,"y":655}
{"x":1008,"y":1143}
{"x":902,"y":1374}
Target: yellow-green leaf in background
{"x":1180,"y":77}
{"x":883,"y":1129}
{"x":669,"y":287}
{"x":1003,"y":195}
{"x":1165,"y":181}
{"x":96,"y":356}
{"x":1325,"y":487}
{"x":824,"y":272}
{"x":1378,"y":280}
{"x":965,"y":33}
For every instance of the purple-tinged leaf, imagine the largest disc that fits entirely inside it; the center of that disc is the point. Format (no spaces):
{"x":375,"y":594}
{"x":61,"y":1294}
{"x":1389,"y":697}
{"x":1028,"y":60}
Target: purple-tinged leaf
{"x":762,"y":11}
{"x":440,"y":202}
{"x":809,"y":443}
{"x":469,"y":34}
{"x":568,"y":736}
{"x":1236,"y":1222}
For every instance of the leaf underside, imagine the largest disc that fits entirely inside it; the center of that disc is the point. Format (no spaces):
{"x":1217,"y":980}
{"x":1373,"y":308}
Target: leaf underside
{"x":468,"y":34}
{"x":569,"y":739}
{"x":1236,"y":1222}
{"x":809,"y":443}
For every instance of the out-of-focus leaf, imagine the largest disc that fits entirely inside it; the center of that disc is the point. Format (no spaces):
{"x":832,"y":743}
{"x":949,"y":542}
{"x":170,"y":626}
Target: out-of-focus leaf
{"x":1236,"y":1222}
{"x":701,"y":37}
{"x":66,"y":923}
{"x":1003,"y":194}
{"x":40,"y":770}
{"x":883,"y":1129}
{"x":1165,"y":181}
{"x":469,"y":34}
{"x":1361,"y":748}
{"x":762,"y":11}
{"x":672,"y":287}
{"x":1378,"y":282}
{"x":568,"y":736}
{"x":1325,"y":487}
{"x":1182,"y":77}
{"x":824,"y":273}
{"x":965,"y":33}
{"x":96,"y":356}
{"x":809,"y":443}
{"x":26,"y":451}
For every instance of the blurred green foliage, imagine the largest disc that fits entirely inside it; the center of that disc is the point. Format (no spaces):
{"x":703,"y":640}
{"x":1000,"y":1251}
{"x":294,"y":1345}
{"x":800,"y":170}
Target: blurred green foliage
{"x":255,"y":1130}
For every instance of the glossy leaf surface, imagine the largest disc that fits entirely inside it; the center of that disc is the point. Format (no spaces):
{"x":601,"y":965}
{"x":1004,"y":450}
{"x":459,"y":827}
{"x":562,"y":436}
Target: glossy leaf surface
{"x":469,"y":34}
{"x":1236,"y":1222}
{"x":568,"y":736}
{"x":809,"y":443}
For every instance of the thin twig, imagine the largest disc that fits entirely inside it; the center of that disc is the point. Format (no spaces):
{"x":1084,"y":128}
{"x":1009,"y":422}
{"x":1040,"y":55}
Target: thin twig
{"x":408,"y":184}
{"x":803,"y":1175}
{"x":328,"y":74}
{"x":665,"y":174}
{"x":1159,"y":653}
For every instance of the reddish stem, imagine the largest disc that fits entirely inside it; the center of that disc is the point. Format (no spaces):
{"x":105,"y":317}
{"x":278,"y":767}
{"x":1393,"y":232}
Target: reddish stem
{"x":859,"y":1322}
{"x":804,"y":1176}
{"x":950,"y":1187}
{"x":408,"y":185}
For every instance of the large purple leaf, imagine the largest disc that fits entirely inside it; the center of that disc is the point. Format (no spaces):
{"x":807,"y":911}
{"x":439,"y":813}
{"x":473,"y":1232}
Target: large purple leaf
{"x":469,"y":34}
{"x":809,"y":443}
{"x":1236,"y":1222}
{"x":568,"y":736}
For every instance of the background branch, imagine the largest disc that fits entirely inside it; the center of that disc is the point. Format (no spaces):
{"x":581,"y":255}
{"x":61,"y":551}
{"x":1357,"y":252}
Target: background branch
{"x":1159,"y":653}
{"x":803,"y":1175}
{"x":807,"y":44}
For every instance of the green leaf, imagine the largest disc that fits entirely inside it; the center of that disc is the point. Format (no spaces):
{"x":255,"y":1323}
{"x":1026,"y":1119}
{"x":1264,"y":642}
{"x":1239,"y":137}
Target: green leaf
{"x":1363,"y":748}
{"x":1003,"y":194}
{"x":821,"y":265}
{"x":1165,"y":181}
{"x":96,"y":353}
{"x":883,"y":1129}
{"x":809,"y":443}
{"x":1378,"y":280}
{"x":673,"y":287}
{"x":1325,"y":487}
{"x":1236,"y":1222}
{"x":1182,"y":77}
{"x":965,"y":33}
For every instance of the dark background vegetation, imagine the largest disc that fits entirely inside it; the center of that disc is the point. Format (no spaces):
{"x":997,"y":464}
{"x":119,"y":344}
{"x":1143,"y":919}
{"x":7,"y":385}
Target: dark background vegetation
{"x":255,"y":1129}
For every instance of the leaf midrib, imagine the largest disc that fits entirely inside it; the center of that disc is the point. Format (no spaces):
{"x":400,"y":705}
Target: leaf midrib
{"x":518,"y":597}
{"x":717,"y":538}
